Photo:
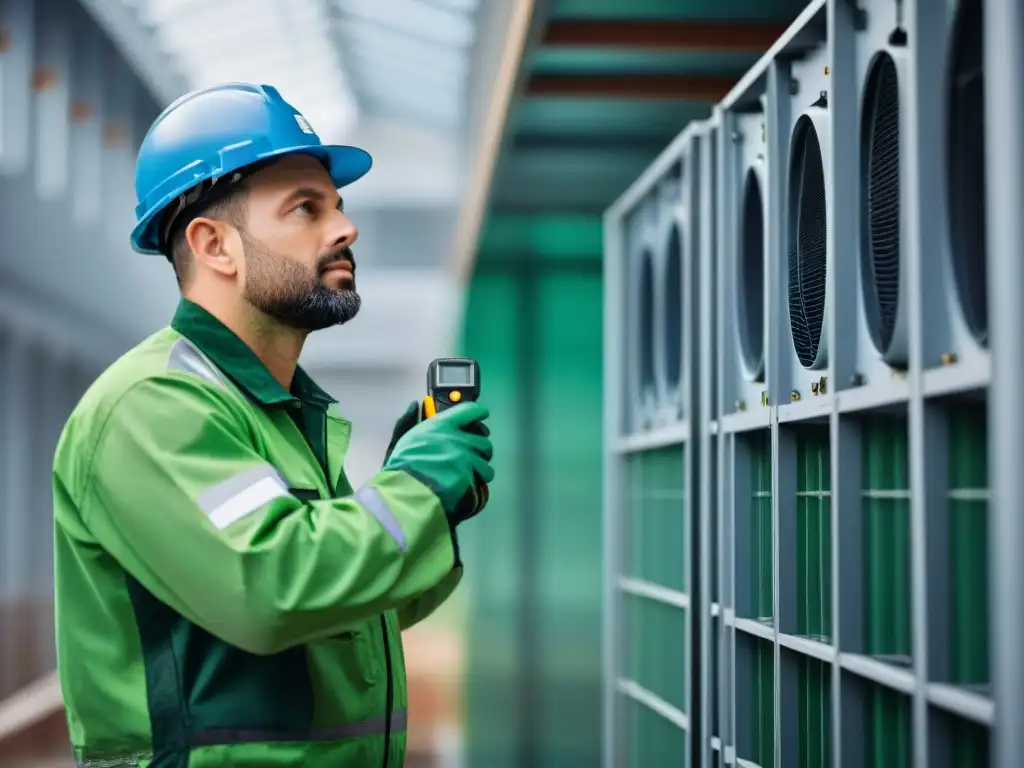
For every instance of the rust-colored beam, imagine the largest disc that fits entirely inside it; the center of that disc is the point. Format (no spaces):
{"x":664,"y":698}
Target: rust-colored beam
{"x":640,"y":87}
{"x":663,"y":34}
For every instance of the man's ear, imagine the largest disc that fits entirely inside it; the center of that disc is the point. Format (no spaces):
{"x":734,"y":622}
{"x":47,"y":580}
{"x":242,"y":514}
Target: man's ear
{"x":211,"y":244}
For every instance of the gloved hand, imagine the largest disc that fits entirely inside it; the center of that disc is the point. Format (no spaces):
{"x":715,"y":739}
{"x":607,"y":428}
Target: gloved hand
{"x":450,"y":453}
{"x":412,"y":416}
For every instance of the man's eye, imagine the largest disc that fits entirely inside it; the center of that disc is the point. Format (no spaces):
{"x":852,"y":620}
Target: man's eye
{"x":306,"y":207}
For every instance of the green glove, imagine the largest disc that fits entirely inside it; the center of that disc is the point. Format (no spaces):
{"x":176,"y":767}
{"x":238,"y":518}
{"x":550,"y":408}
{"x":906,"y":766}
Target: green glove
{"x":448,"y":453}
{"x":412,"y":416}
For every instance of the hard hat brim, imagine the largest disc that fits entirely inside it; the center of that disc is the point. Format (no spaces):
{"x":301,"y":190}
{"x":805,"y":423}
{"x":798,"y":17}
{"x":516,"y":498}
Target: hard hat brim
{"x":345,"y":164}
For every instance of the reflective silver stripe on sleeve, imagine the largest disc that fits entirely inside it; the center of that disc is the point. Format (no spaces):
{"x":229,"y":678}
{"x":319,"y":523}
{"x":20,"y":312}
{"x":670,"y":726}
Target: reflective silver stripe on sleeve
{"x":374,"y":503}
{"x":185,"y":356}
{"x":238,"y":496}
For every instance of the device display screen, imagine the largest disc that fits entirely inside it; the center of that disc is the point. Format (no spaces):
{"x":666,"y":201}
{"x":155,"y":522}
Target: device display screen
{"x":454,"y":375}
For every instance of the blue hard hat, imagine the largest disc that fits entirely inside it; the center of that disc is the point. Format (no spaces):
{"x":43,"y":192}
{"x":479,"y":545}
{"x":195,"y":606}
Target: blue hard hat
{"x":218,"y":131}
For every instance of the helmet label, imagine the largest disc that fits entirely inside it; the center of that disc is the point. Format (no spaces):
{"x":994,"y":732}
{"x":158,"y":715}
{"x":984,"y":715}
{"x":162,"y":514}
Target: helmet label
{"x":304,"y":124}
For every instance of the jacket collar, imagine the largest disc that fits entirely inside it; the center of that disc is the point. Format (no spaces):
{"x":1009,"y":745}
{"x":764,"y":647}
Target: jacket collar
{"x":234,"y":357}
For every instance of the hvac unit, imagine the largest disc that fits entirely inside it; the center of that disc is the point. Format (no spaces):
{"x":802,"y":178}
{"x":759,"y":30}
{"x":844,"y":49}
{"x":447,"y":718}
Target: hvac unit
{"x":641,"y":305}
{"x":965,"y":147}
{"x":678,"y":234}
{"x":776,"y":189}
{"x":884,"y":91}
{"x":743,"y":233}
{"x":671,"y":228}
{"x":743,"y":229}
{"x":807,"y":200}
{"x":964,"y":337}
{"x":662,"y":247}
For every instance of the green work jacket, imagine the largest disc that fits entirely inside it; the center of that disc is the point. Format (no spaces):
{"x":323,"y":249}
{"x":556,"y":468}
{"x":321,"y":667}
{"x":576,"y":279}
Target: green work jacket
{"x":223,"y":595}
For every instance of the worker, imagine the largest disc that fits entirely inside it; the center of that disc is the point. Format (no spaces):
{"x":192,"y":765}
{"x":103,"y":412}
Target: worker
{"x":224,"y":596}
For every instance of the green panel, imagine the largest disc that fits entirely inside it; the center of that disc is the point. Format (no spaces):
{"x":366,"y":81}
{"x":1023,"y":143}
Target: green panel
{"x":759,"y":704}
{"x":966,"y":743}
{"x":569,"y":513}
{"x":534,"y":557}
{"x":761,"y":519}
{"x":490,"y":543}
{"x":886,"y":504}
{"x":651,"y":739}
{"x":814,"y":534}
{"x":888,"y":720}
{"x":655,"y":647}
{"x":815,"y":722}
{"x":656,"y":517}
{"x":968,"y":544}
{"x":523,"y":236}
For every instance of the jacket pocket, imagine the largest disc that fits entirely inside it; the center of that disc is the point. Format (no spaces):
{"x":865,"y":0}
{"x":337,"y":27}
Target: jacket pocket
{"x":355,"y":657}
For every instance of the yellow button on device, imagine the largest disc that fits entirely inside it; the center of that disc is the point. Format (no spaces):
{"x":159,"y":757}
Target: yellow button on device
{"x":455,"y":396}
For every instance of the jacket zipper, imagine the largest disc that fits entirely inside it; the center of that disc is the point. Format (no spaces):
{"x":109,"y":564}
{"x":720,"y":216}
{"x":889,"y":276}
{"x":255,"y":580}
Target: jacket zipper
{"x":391,"y":691}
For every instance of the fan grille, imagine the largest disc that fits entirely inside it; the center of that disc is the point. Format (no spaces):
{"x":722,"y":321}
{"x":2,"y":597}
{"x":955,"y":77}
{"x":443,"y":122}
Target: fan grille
{"x":880,"y":191}
{"x":645,"y":301}
{"x":751,"y":274}
{"x":673,"y":313}
{"x":966,"y":152}
{"x":807,"y":242}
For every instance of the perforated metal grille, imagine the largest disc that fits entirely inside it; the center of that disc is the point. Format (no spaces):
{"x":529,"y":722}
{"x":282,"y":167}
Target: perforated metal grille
{"x":880,"y":195}
{"x":645,"y":305}
{"x":750,"y":294}
{"x":807,"y":237}
{"x":967,"y":166}
{"x":673,"y":313}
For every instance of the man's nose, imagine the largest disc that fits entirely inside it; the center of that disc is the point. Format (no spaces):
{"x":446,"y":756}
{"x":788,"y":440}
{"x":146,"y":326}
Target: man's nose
{"x":343,"y":232}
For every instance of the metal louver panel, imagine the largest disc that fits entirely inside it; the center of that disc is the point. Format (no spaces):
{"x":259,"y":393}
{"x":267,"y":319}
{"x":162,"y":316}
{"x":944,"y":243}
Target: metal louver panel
{"x":880,"y":196}
{"x":806,"y":241}
{"x":966,"y":154}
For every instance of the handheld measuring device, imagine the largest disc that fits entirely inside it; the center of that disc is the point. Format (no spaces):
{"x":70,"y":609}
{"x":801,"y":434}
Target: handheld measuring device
{"x":450,"y":381}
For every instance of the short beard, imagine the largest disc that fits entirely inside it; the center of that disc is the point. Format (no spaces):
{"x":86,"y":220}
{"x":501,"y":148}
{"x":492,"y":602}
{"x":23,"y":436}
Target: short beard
{"x":283,"y":289}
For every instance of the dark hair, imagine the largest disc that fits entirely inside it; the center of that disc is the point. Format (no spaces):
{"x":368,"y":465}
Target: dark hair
{"x":228,"y":206}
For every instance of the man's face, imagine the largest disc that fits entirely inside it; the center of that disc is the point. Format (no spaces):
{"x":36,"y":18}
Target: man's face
{"x":298,"y":267}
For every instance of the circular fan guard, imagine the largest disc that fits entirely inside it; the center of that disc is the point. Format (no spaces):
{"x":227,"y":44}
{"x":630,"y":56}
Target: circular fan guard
{"x":807,"y":241}
{"x":673,"y":310}
{"x":880,"y":196}
{"x":966,"y":160}
{"x":750,"y":276}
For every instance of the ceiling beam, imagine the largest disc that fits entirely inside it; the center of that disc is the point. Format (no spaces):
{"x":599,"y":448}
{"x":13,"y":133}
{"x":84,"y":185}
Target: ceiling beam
{"x":631,"y":87}
{"x":663,"y":34}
